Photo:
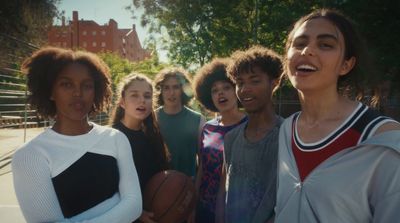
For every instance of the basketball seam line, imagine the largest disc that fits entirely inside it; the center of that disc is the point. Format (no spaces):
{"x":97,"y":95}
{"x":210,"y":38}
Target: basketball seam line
{"x":155,"y":193}
{"x":176,"y":199}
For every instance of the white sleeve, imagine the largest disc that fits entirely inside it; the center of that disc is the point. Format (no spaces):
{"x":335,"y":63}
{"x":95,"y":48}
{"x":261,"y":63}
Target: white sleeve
{"x":130,"y":206}
{"x":34,"y":188}
{"x":38,"y":200}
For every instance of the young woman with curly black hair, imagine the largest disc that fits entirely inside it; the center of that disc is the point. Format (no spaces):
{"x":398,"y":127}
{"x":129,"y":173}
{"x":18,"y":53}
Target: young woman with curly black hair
{"x":76,"y":170}
{"x":216,"y":92}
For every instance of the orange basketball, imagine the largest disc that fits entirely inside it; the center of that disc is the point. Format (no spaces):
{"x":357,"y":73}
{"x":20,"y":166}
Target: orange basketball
{"x":171,"y":196}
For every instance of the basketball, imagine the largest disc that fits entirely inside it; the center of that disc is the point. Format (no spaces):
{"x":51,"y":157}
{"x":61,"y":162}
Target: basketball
{"x":171,"y":196}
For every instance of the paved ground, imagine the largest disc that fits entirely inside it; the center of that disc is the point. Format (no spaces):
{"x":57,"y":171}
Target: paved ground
{"x":10,"y":139}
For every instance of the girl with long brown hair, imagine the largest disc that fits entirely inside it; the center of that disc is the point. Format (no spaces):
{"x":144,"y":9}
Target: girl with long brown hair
{"x":133,"y":115}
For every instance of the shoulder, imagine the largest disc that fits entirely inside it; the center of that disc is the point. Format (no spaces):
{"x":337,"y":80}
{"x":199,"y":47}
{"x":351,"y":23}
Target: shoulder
{"x":159,"y":112}
{"x":30,"y":154}
{"x":105,"y":135}
{"x":159,"y":109}
{"x":105,"y":130}
{"x":212,"y":122}
{"x":388,"y":126}
{"x":235,"y":132}
{"x":33,"y":146}
{"x":192,"y":112}
{"x":373,"y":123}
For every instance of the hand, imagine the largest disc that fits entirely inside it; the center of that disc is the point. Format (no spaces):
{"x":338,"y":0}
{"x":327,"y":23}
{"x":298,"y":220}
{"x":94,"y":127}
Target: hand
{"x":147,"y":217}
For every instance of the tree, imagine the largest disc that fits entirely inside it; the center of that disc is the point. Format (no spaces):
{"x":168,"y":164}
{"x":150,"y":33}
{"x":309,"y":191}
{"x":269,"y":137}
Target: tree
{"x":197,"y":30}
{"x":24,"y":23}
{"x":150,"y":66}
{"x":119,"y":67}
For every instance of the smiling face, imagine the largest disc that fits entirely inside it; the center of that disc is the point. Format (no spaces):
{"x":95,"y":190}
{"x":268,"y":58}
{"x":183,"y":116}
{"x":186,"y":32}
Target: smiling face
{"x":254,"y":90}
{"x":223,"y":96}
{"x":137,"y":100}
{"x":73,"y":93}
{"x":316,"y":56}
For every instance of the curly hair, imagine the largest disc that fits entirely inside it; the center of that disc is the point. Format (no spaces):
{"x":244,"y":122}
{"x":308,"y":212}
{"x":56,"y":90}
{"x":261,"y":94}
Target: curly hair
{"x":206,"y":77}
{"x":43,"y":68}
{"x":181,"y":75}
{"x":257,"y":56}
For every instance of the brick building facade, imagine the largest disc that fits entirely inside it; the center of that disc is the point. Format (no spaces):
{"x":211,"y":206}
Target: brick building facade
{"x":88,"y":35}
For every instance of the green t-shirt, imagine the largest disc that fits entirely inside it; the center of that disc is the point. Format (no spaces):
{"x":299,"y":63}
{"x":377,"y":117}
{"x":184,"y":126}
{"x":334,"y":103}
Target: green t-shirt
{"x":181,"y":134}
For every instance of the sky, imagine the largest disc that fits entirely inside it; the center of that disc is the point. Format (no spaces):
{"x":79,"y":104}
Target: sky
{"x":101,"y":11}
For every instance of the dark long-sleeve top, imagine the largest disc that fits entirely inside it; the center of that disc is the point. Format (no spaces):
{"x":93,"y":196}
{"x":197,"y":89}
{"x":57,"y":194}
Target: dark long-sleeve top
{"x":145,"y":157}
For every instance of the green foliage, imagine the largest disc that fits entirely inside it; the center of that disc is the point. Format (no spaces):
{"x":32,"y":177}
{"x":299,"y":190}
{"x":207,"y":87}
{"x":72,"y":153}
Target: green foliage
{"x":194,"y":31}
{"x":200,"y":30}
{"x":24,"y":23}
{"x":149,"y":67}
{"x":119,"y":67}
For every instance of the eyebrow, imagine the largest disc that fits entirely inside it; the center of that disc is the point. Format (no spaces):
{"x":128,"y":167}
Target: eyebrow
{"x":62,"y":77}
{"x":170,"y":85}
{"x":320,"y":36}
{"x":135,"y":91}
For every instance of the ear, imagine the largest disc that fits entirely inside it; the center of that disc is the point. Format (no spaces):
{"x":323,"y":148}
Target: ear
{"x":347,"y":66}
{"x":121,"y":103}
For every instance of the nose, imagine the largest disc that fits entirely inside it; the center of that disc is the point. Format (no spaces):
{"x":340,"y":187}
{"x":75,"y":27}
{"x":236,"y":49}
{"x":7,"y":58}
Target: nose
{"x":220,"y":92}
{"x":142,"y":99}
{"x":77,"y":92}
{"x":309,"y":51}
{"x":243,"y":88}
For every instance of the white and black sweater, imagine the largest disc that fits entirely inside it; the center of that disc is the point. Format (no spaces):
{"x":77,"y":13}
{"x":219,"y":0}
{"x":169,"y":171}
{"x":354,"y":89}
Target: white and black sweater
{"x":84,"y":178}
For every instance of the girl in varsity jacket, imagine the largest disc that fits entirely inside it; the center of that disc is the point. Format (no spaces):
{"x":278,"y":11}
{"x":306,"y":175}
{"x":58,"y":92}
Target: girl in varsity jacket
{"x":338,"y":159}
{"x":134,"y":116}
{"x":76,"y":170}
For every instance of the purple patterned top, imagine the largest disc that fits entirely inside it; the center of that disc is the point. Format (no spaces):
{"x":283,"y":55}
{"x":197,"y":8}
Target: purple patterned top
{"x":211,"y":154}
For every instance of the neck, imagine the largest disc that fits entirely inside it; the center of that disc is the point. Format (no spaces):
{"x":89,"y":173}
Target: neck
{"x":172,"y":110}
{"x":231,"y":117}
{"x":262,"y":120}
{"x":72,"y":128}
{"x":131,"y":123}
{"x":323,"y":106}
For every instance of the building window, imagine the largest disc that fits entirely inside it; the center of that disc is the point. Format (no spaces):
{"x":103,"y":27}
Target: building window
{"x":84,"y":44}
{"x":103,"y":32}
{"x":94,"y":44}
{"x":103,"y":44}
{"x":94,"y":33}
{"x":84,"y":32}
